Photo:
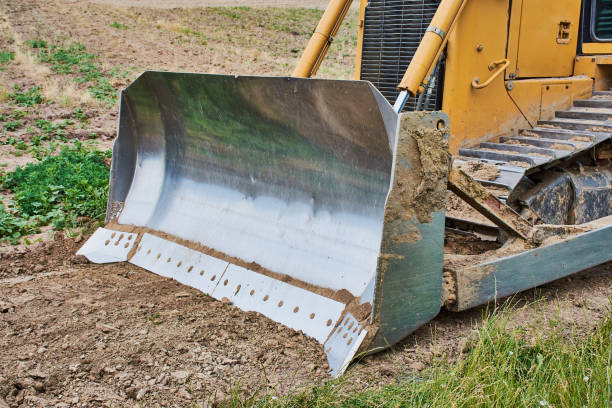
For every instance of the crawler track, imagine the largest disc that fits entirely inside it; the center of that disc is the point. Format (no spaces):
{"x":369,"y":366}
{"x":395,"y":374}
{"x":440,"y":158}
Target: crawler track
{"x":551,"y":143}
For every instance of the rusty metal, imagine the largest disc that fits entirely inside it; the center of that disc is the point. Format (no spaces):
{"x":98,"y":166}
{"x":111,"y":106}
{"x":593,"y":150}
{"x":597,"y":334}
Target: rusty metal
{"x":488,"y":204}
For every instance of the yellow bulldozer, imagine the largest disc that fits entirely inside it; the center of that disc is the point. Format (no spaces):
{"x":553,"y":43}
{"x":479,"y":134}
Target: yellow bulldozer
{"x":325,"y":204}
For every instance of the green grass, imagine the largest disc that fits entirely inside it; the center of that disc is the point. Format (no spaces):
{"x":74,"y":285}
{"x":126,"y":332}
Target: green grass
{"x":12,"y":125}
{"x":37,"y":43}
{"x":76,"y":61}
{"x":236,"y":13}
{"x":28,"y":98}
{"x":80,"y":115}
{"x":503,"y":367}
{"x":119,"y":26}
{"x":64,"y":191}
{"x":6,"y":57}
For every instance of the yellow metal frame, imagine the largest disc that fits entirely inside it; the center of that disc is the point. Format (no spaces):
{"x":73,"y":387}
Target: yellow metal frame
{"x":597,"y":48}
{"x":362,"y":6}
{"x":322,"y":38}
{"x":431,"y":46}
{"x":598,"y":67}
{"x":476,"y":46}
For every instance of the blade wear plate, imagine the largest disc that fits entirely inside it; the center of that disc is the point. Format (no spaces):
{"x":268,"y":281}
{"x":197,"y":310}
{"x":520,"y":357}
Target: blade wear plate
{"x":107,"y":245}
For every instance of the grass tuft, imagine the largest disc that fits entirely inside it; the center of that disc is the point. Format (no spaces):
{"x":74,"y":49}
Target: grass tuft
{"x":76,"y":61}
{"x":6,"y":57}
{"x":27,"y":98}
{"x":502,"y":367}
{"x":37,"y":43}
{"x":119,"y":26}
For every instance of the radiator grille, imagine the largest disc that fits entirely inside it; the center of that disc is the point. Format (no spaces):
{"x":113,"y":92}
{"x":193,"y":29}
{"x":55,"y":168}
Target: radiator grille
{"x":391,"y":35}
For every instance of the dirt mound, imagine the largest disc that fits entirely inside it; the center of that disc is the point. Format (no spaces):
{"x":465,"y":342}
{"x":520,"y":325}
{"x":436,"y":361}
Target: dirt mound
{"x":25,"y":260}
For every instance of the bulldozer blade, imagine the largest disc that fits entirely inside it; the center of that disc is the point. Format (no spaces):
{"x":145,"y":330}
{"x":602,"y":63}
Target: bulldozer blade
{"x":290,"y":197}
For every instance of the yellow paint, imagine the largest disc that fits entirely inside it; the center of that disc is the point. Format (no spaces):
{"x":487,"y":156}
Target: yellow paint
{"x":431,"y":45}
{"x":597,"y":48}
{"x":476,"y":115}
{"x":533,"y":41}
{"x":322,"y":38}
{"x":598,"y":67}
{"x":543,"y":51}
{"x":362,"y":6}
{"x":539,"y":99}
{"x":478,"y":39}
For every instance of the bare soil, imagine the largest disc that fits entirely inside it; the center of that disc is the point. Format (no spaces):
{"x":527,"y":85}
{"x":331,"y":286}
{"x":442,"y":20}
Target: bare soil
{"x":76,"y":334}
{"x":165,"y":4}
{"x":73,"y":334}
{"x":110,"y":334}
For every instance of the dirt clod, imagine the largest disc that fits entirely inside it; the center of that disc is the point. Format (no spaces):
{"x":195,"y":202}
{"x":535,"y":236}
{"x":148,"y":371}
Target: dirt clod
{"x":479,"y":170}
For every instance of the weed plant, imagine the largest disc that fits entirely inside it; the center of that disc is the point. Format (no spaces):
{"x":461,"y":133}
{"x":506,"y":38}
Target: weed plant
{"x":28,"y":98}
{"x":64,"y":191}
{"x":6,"y":57}
{"x":119,"y":26}
{"x":75,"y":60}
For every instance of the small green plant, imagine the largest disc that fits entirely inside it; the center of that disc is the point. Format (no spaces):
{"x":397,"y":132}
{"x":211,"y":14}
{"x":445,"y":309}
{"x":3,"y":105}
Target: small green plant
{"x":119,"y":26}
{"x":53,"y":131}
{"x":5,"y":57}
{"x":64,"y":60}
{"x":103,"y":90}
{"x":61,"y":190}
{"x":28,"y":98}
{"x":9,"y":141}
{"x":37,"y":43}
{"x":19,"y":114}
{"x":155,"y":318}
{"x":80,"y":115}
{"x":12,"y":125}
{"x":13,"y":227}
{"x":75,"y":60}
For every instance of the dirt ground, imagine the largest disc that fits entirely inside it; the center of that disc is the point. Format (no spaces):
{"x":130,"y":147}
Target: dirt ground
{"x":76,"y":334}
{"x":165,"y":4}
{"x":73,"y":334}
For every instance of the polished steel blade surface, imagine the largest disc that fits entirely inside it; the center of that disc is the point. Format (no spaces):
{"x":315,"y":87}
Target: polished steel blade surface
{"x":289,"y":173}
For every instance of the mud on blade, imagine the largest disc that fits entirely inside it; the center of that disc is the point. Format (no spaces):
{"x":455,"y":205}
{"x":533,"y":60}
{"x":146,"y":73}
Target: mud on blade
{"x":271,"y":193}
